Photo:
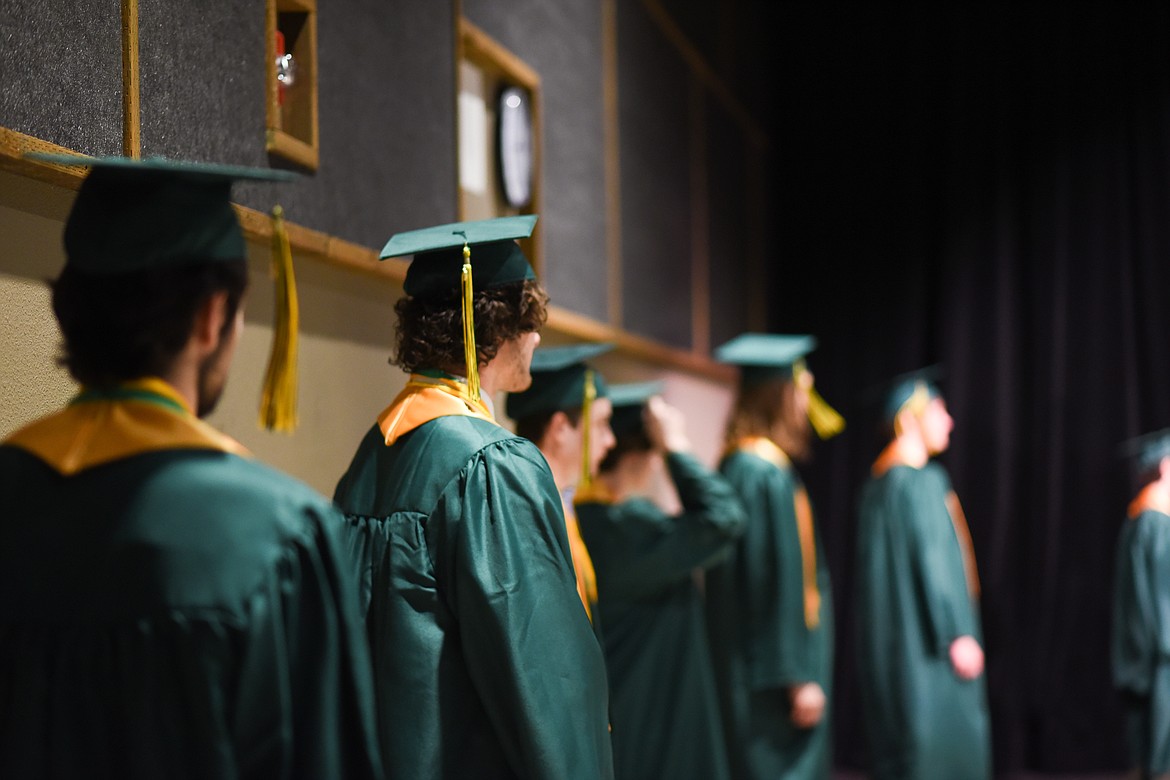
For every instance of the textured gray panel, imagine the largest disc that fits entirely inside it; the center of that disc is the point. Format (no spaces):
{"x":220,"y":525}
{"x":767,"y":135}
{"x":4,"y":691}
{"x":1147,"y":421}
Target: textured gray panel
{"x":387,"y":123}
{"x":727,"y":150}
{"x":202,"y":81}
{"x":656,"y":207}
{"x":61,"y":72}
{"x":561,"y":41}
{"x":386,"y":96}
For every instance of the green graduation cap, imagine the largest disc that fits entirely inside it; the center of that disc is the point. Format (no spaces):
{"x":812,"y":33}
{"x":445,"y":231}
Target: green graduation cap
{"x":559,"y":381}
{"x":563,"y":380}
{"x":437,"y":268}
{"x":136,"y":214}
{"x":766,"y":356}
{"x":464,"y":257}
{"x":1145,"y":452}
{"x":628,"y":401}
{"x":913,"y":388}
{"x":133,"y":214}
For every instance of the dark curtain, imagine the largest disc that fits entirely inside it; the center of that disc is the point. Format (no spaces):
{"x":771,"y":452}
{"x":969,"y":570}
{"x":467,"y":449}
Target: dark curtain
{"x":988,"y":189}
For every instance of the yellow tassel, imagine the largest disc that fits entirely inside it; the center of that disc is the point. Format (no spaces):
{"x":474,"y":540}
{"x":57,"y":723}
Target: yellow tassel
{"x":587,"y":424}
{"x":470,"y":356}
{"x":278,"y":402}
{"x":824,"y":418}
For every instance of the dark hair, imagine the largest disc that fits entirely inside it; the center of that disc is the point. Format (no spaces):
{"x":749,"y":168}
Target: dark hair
{"x":757,"y":410}
{"x":118,"y":327}
{"x":430,"y":330}
{"x":534,"y":426}
{"x":629,"y":442}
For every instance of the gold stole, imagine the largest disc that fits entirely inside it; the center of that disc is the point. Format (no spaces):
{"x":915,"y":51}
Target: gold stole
{"x":102,"y":426}
{"x":1149,"y":498}
{"x":424,"y":399}
{"x":582,"y":563}
{"x":766,"y":449}
{"x":959,"y":521}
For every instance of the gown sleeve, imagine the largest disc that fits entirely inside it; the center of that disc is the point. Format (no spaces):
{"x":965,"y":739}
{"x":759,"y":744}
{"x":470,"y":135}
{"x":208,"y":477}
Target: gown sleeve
{"x":649,"y":550}
{"x":307,"y":667}
{"x":936,"y":563}
{"x":782,"y":653}
{"x":530,"y":649}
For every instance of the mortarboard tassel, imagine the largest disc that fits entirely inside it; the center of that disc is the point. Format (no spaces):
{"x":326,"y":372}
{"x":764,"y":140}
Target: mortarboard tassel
{"x":824,"y":418}
{"x":470,"y":355}
{"x":587,"y":422}
{"x":278,"y":402}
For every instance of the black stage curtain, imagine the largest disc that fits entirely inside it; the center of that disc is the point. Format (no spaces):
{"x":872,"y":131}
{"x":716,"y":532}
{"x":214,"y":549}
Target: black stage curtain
{"x":988,"y":189}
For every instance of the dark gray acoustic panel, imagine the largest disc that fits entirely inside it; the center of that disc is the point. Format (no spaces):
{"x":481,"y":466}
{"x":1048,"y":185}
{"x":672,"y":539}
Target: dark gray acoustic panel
{"x":728,"y":228}
{"x":202,"y":81}
{"x":655,"y":128}
{"x":386,"y":102}
{"x":61,"y":72}
{"x":702,"y":23}
{"x":561,"y":41}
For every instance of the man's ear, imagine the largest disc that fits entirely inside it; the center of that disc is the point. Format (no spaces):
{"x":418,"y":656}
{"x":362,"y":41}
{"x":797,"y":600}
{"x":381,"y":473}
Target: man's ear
{"x":210,"y":318}
{"x":1164,"y":469}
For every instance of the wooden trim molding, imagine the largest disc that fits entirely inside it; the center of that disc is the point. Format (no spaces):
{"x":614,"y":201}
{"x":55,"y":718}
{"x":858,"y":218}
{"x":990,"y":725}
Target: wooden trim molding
{"x":131,"y":115}
{"x":476,"y":46}
{"x":700,"y":224}
{"x":613,"y":161}
{"x":705,"y":73}
{"x":323,"y":247}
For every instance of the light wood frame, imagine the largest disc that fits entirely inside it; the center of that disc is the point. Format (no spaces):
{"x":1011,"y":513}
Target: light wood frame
{"x":303,"y":151}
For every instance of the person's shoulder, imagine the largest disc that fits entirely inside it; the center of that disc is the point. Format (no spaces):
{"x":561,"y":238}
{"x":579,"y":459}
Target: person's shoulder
{"x":243,"y":487}
{"x":742,"y":464}
{"x":459,"y":437}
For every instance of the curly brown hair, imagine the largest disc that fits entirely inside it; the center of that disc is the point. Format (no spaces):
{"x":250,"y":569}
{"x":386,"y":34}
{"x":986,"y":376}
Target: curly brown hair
{"x":430,"y":330}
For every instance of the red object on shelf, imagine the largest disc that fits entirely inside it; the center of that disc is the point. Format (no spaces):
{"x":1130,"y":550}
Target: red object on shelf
{"x":279,"y":53}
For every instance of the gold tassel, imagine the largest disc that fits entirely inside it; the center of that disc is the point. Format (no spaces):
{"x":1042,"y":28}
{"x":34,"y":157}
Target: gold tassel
{"x":587,"y":421}
{"x":278,"y":402}
{"x":470,"y":356}
{"x":824,"y":418}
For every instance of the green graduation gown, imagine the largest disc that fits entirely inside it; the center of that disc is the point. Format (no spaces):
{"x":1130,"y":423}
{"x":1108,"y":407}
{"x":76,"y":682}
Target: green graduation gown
{"x":485,"y":663}
{"x":1141,"y":636}
{"x":766,"y":635}
{"x":169,"y":608}
{"x":913,"y":600}
{"x":665,"y":711}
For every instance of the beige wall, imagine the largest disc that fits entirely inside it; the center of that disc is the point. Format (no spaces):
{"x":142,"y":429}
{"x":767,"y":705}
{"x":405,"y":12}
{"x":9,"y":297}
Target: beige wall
{"x":345,"y":341}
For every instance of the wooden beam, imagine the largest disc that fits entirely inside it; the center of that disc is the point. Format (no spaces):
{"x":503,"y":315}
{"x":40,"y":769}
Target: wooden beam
{"x":257,"y":227}
{"x":611,"y":122}
{"x":131,"y":114}
{"x":698,"y":65}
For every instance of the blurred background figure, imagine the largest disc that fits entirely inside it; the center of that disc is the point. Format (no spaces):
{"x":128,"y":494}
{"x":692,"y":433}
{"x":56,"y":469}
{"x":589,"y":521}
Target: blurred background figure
{"x":769,"y":606}
{"x":666,"y":720}
{"x":566,"y":413}
{"x":919,"y":636}
{"x":1141,"y":609}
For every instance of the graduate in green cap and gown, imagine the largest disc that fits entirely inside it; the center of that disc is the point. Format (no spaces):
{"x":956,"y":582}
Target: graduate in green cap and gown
{"x":919,"y":641}
{"x":666,"y":720}
{"x":769,"y":606}
{"x":566,"y":413}
{"x":485,"y":664}
{"x":1141,"y":609}
{"x":169,"y":607}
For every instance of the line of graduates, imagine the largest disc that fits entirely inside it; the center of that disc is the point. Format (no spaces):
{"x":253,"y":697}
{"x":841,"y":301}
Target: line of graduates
{"x":473,"y":602}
